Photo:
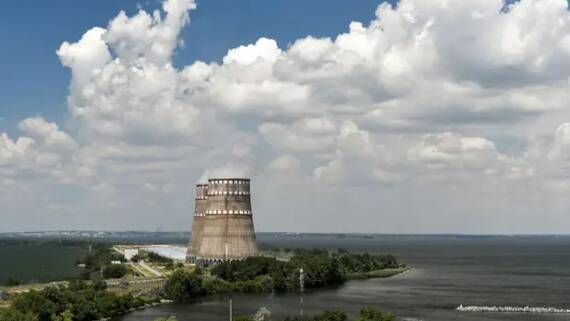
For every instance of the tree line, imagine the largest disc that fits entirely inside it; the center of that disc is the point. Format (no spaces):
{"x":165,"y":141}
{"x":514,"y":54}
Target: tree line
{"x":266,"y":274}
{"x":79,"y":301}
{"x":365,"y":314}
{"x":87,"y":301}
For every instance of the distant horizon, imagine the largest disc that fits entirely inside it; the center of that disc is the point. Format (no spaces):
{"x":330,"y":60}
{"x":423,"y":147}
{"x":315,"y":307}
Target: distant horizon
{"x":283,"y":232}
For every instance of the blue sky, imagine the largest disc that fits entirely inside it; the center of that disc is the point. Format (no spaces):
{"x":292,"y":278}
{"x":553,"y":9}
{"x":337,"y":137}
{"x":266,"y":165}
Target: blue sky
{"x":34,"y":83}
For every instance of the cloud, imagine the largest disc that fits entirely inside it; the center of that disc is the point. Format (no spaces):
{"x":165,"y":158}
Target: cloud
{"x":306,"y":135}
{"x":357,"y":160}
{"x":48,"y":134}
{"x":11,"y":151}
{"x":264,"y":48}
{"x":411,"y":107}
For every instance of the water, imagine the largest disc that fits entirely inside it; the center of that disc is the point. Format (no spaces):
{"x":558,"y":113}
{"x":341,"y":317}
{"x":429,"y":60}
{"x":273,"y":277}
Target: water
{"x":38,"y":262}
{"x":447,"y":271}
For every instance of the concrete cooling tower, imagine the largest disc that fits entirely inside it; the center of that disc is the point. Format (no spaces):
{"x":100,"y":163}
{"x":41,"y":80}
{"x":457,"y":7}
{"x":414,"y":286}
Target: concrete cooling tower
{"x":200,"y":206}
{"x":225,"y":231}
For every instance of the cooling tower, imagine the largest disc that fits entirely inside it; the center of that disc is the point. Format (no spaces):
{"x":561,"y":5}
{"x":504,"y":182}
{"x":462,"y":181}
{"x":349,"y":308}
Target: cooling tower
{"x":200,"y":206}
{"x":226,"y":230}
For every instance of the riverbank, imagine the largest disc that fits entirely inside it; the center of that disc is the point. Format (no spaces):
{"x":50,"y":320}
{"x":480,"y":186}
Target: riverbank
{"x":384,"y":273}
{"x":446,"y":271}
{"x":306,"y":269}
{"x":221,"y":298}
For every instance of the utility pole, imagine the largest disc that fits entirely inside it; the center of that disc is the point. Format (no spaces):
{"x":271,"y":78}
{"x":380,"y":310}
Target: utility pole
{"x":301,"y":288}
{"x":231,"y":310}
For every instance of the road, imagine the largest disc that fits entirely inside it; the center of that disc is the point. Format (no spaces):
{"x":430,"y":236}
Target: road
{"x":150,"y":269}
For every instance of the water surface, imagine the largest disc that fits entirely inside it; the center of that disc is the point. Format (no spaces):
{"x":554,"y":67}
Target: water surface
{"x":447,"y":271}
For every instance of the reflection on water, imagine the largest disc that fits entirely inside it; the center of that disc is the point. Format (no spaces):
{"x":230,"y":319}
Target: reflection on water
{"x":447,"y":271}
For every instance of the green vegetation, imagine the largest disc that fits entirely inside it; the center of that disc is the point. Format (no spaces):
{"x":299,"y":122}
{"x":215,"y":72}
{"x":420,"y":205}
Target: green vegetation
{"x":385,"y":273}
{"x":15,"y":315}
{"x":79,"y":301}
{"x":366,"y":314}
{"x":83,"y":301}
{"x":114,"y":271}
{"x":363,"y":266}
{"x":363,"y":263}
{"x":98,"y":262}
{"x":152,"y":257}
{"x":166,"y":319}
{"x":12,"y":282}
{"x":183,"y":286}
{"x":266,"y":274}
{"x":156,"y":258}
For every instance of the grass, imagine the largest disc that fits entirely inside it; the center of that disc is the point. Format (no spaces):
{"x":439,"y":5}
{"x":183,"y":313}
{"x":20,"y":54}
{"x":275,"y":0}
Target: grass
{"x":384,"y":273}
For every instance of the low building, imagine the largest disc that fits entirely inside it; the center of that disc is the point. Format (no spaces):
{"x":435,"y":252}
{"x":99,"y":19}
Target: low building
{"x":129,"y":253}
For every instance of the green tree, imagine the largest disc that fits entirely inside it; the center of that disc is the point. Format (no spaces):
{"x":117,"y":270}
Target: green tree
{"x":80,"y":301}
{"x":166,"y":319}
{"x":15,"y":315}
{"x":153,"y":257}
{"x":183,"y":286}
{"x":64,"y":316}
{"x":332,"y":315}
{"x":114,"y":271}
{"x":373,"y":314}
{"x":216,"y":285}
{"x":12,"y":282}
{"x":36,"y":303}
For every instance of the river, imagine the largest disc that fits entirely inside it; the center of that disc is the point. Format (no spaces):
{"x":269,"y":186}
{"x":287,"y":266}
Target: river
{"x":446,"y":271}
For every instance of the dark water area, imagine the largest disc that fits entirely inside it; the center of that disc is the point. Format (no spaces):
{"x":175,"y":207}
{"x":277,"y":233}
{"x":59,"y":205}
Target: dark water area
{"x":37,"y":262}
{"x":446,"y":271}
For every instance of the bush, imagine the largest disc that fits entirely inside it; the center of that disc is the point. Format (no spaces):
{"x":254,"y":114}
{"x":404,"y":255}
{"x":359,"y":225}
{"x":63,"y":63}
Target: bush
{"x":114,"y":271}
{"x":265,"y":283}
{"x":216,"y":286}
{"x":249,"y":286}
{"x":364,"y":263}
{"x":12,"y":282}
{"x":373,"y":314}
{"x":153,"y":257}
{"x":80,"y":300}
{"x":15,"y":315}
{"x":366,"y":314}
{"x":264,"y":274}
{"x":332,"y":315}
{"x":96,"y":260}
{"x":183,"y":286}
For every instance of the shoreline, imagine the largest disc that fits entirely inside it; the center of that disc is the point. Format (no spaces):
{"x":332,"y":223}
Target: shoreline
{"x":368,"y":276}
{"x":378,"y":274}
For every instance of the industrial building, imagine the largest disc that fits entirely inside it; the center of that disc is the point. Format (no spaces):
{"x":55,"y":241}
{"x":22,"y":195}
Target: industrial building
{"x":174,"y":252}
{"x":222,"y":228}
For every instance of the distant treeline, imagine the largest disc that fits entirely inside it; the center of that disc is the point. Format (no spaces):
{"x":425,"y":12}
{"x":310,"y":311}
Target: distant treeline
{"x":40,"y":242}
{"x":79,"y":301}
